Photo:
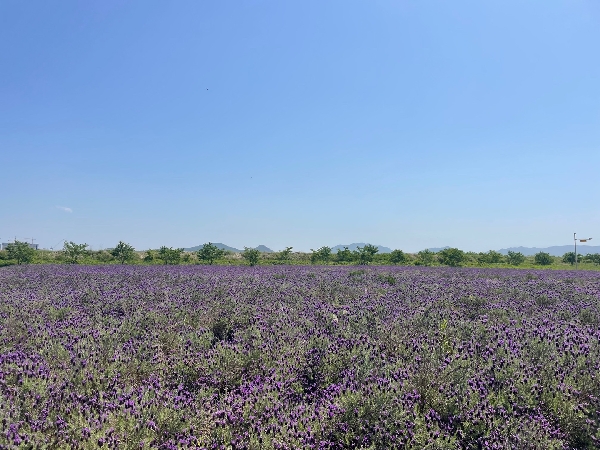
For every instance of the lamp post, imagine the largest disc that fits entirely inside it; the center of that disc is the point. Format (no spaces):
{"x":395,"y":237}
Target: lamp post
{"x":580,"y":240}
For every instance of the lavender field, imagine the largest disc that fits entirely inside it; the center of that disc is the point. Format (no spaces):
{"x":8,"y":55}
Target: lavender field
{"x":298,"y":357}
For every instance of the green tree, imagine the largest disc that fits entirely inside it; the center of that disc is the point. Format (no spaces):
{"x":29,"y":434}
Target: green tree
{"x":320,"y":255}
{"x":515,"y":258}
{"x":569,"y":258}
{"x":284,"y":255}
{"x":72,"y":251}
{"x":150,"y":256}
{"x":169,"y":255}
{"x":425,"y":258}
{"x":123,"y":252}
{"x":491,"y":257}
{"x":398,"y":257}
{"x":364,"y":255}
{"x":102,"y":256}
{"x":209,"y":253}
{"x":543,"y":259}
{"x":21,"y":252}
{"x":251,"y":255}
{"x":594,"y":257}
{"x":344,"y":256}
{"x":451,"y":257}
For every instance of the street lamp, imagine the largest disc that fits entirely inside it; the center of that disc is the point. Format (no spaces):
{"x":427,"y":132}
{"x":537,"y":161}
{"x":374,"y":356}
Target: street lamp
{"x":580,"y":240}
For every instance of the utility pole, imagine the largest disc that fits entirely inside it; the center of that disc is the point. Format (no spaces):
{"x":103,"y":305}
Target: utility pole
{"x":575,"y":239}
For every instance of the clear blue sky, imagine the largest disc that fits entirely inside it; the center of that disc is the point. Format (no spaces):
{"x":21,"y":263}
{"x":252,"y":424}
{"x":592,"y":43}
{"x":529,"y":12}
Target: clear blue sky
{"x":409,"y":124}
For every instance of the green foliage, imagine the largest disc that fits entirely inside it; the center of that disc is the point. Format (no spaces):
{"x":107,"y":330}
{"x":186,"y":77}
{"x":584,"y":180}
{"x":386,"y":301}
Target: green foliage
{"x":284,"y":255}
{"x":150,"y":256}
{"x":491,"y":257}
{"x":515,"y":258}
{"x":387,"y":278}
{"x":21,"y":252}
{"x":589,"y":317}
{"x":425,"y":258}
{"x":594,"y":258}
{"x":364,"y":255}
{"x":222,"y":330}
{"x":5,"y":260}
{"x":569,"y":258}
{"x":102,"y":256}
{"x":322,"y":255}
{"x":251,"y":255}
{"x":451,"y":257}
{"x":543,"y":259}
{"x":72,"y":251}
{"x":169,"y":255}
{"x":209,"y":253}
{"x":123,"y":252}
{"x":344,"y":256}
{"x":398,"y":257}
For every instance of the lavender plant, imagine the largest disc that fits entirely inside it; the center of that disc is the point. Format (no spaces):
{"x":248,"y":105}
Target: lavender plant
{"x":287,"y":357}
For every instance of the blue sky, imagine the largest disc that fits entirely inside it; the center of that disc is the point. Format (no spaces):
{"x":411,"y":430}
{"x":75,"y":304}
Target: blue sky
{"x":409,"y":124}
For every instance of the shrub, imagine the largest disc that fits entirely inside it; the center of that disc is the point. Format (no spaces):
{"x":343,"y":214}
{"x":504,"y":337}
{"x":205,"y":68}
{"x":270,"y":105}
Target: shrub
{"x":595,"y":258}
{"x":344,"y":256}
{"x":425,"y":258}
{"x":123,"y":252}
{"x":364,"y":255}
{"x":591,"y":258}
{"x":543,"y":259}
{"x":101,"y":256}
{"x":21,"y":252}
{"x":251,"y":255}
{"x":209,"y":253}
{"x":169,"y":255}
{"x":491,"y":257}
{"x":569,"y":258}
{"x":451,"y":257}
{"x":320,"y":255}
{"x":284,"y":255}
{"x":150,"y":256}
{"x":515,"y":258}
{"x":72,"y":251}
{"x":398,"y":257}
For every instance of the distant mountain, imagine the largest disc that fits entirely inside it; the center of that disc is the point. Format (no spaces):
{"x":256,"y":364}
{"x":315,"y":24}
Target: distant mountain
{"x":354,"y":246}
{"x":216,"y":244}
{"x":557,"y":250}
{"x":264,"y":249}
{"x":261,"y":248}
{"x":437,"y":249}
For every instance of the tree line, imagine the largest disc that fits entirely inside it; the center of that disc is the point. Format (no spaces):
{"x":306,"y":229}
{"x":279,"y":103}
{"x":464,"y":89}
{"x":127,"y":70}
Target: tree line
{"x":123,"y":253}
{"x":209,"y":253}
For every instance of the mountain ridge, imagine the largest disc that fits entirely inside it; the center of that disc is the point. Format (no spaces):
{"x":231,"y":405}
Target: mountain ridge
{"x":555,"y":250}
{"x":355,"y":245}
{"x":220,"y":245}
